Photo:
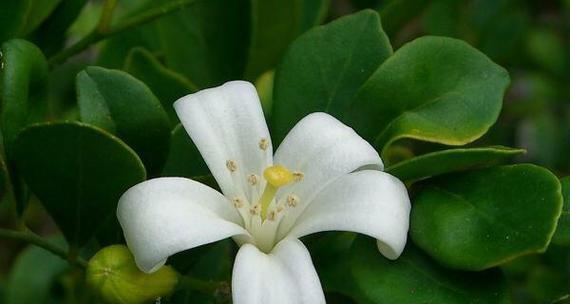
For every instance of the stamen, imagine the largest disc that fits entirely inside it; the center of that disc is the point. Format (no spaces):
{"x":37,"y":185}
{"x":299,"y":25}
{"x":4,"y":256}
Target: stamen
{"x":263,"y":144}
{"x":271,"y":215}
{"x":238,"y":202}
{"x":255,"y":210}
{"x":231,"y":165}
{"x":292,"y":200}
{"x":298,"y":176}
{"x":252,"y":179}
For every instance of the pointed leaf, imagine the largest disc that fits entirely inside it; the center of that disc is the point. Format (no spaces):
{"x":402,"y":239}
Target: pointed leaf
{"x":123,"y":105}
{"x":323,"y":69}
{"x":446,"y":161}
{"x":480,"y":219}
{"x":78,"y":172}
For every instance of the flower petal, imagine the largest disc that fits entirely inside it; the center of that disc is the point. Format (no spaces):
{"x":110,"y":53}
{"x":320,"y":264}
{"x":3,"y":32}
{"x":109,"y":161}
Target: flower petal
{"x":323,"y":149}
{"x":163,"y":216}
{"x":368,"y":202}
{"x":227,"y":124}
{"x":284,"y":276}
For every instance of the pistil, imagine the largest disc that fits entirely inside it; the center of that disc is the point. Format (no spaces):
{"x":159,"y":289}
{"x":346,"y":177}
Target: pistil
{"x":276,"y":176}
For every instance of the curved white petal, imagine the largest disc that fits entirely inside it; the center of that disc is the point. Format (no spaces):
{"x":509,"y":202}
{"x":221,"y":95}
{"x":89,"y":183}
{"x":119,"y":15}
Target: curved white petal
{"x":285,"y":276}
{"x":227,"y":123}
{"x":323,"y":149}
{"x":163,"y":216}
{"x":368,"y":202}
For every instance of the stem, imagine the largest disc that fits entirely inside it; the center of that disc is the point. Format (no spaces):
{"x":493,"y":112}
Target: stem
{"x":104,"y":31}
{"x":32,"y":238}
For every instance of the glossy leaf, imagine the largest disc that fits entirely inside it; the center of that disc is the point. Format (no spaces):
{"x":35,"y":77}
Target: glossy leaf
{"x":184,"y":158}
{"x":123,"y":105}
{"x":206,"y":52}
{"x":433,"y":89}
{"x":33,"y":275}
{"x":415,"y":278}
{"x":270,"y":19}
{"x":445,"y":161}
{"x":562,"y":235}
{"x":166,"y":84}
{"x":24,"y":88}
{"x":323,"y":69}
{"x":480,"y":219}
{"x":78,"y":172}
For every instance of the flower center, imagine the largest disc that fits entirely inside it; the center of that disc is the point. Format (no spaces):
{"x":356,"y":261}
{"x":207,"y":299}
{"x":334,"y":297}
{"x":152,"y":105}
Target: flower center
{"x":276,"y":176}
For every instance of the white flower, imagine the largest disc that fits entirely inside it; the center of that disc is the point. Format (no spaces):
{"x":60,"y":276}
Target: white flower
{"x":323,"y":177}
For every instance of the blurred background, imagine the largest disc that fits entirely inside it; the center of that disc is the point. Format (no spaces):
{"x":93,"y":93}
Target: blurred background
{"x":531,"y":39}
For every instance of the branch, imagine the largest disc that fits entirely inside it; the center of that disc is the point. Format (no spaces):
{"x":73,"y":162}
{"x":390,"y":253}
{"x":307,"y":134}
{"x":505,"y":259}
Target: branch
{"x":103,"y":31}
{"x":34,"y":239}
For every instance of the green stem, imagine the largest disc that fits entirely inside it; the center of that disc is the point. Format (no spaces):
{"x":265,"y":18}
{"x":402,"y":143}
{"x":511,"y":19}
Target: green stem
{"x":106,"y":15}
{"x":32,"y":238}
{"x":104,"y":31}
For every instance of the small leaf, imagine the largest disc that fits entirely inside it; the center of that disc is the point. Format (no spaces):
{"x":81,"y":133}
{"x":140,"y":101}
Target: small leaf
{"x":166,"y":84}
{"x":440,"y":162}
{"x":433,"y":89}
{"x":562,"y":235}
{"x":78,"y":172}
{"x":414,"y":278}
{"x":184,"y":158}
{"x":323,"y":69}
{"x":121,"y":104}
{"x":480,"y":219}
{"x":34,"y":270}
{"x":24,"y":88}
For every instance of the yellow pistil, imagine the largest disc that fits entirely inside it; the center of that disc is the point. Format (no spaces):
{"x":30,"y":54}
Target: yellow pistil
{"x":276,"y":176}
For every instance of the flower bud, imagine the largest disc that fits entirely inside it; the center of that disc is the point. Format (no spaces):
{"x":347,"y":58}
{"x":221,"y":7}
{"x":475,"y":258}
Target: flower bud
{"x":113,"y":274}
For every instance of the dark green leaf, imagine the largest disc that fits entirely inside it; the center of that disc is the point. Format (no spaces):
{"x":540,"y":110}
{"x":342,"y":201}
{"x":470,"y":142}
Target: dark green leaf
{"x":24,"y":88}
{"x":18,"y":18}
{"x":121,"y":104}
{"x":3,"y":178}
{"x":166,"y":84}
{"x":184,"y":158}
{"x":207,"y":41}
{"x":397,"y":13}
{"x":480,"y":219}
{"x":33,"y":275}
{"x":314,"y":12}
{"x":432,"y":89}
{"x":78,"y":172}
{"x":440,"y":162}
{"x":562,"y":235}
{"x":323,"y":69}
{"x":414,"y":278}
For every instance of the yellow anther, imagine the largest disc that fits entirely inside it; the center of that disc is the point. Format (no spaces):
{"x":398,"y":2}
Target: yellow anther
{"x":271,"y":215}
{"x":292,"y":200}
{"x":231,"y":165}
{"x":238,"y":202}
{"x":278,"y":176}
{"x":263,"y":144}
{"x":255,"y":210}
{"x":252,"y":179}
{"x":298,"y":176}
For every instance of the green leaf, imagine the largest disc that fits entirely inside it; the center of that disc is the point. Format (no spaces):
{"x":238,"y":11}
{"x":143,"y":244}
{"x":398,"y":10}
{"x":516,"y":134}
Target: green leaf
{"x":398,"y":13}
{"x":33,"y":275}
{"x":18,"y":18}
{"x":166,"y":84}
{"x":323,"y":69}
{"x":440,"y":162}
{"x":269,"y":19}
{"x":78,"y":172}
{"x":3,"y":178}
{"x":414,"y":278}
{"x":480,"y":219}
{"x":433,"y":89}
{"x":562,"y":235}
{"x":207,"y":41}
{"x":24,"y":88}
{"x":123,"y":105}
{"x":184,"y":158}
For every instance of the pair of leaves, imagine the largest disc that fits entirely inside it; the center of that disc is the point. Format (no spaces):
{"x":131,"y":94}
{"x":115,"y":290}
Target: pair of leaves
{"x":433,"y":89}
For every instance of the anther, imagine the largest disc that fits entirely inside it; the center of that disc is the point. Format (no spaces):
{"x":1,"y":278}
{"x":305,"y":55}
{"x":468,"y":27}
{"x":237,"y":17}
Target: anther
{"x":263,"y":144}
{"x":271,"y":216}
{"x":231,"y":165}
{"x":238,"y":202}
{"x":252,"y":179}
{"x":255,"y":209}
{"x":298,"y":176}
{"x":292,"y":200}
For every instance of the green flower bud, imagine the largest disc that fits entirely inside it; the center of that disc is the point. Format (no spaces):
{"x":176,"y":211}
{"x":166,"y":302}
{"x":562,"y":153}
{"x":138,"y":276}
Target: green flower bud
{"x":113,"y":274}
